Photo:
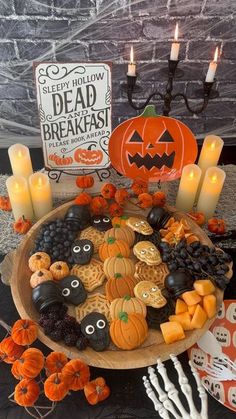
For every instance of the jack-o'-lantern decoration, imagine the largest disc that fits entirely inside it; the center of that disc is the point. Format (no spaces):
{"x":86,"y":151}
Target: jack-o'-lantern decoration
{"x":152,"y":147}
{"x":89,"y":157}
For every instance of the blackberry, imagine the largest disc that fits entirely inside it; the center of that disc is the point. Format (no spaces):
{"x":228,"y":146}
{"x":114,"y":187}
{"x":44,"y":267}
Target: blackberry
{"x":62,"y":312}
{"x":71,"y":339}
{"x":77,"y":329}
{"x":56,"y":335}
{"x":69,"y":321}
{"x":82,"y":343}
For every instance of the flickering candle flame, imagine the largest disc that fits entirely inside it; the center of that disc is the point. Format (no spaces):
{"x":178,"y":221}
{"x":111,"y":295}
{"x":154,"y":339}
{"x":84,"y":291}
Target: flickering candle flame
{"x":19,"y":154}
{"x":17,"y":186}
{"x":213,"y":145}
{"x":131,"y":55}
{"x":176,"y":31}
{"x":40,"y":182}
{"x":216,"y":54}
{"x":214,"y":178}
{"x":191,"y":174}
{"x":212,"y":68}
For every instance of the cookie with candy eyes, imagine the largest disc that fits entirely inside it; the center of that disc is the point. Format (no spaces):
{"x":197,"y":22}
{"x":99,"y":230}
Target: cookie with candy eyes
{"x":101,"y":222}
{"x":150,"y":294}
{"x":96,"y":329}
{"x":82,"y":251}
{"x":72,"y":289}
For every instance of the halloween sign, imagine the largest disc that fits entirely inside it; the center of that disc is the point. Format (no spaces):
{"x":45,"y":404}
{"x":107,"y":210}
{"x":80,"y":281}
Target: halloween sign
{"x":152,"y":147}
{"x":74,"y":102}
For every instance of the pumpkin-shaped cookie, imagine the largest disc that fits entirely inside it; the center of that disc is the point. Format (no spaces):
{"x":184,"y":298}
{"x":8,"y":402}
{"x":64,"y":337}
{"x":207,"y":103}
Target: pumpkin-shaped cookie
{"x":119,"y":286}
{"x":121,"y":233}
{"x":119,"y":221}
{"x":113,"y":247}
{"x":59,"y":270}
{"x":39,"y":260}
{"x":128,"y":304}
{"x":118,"y":264}
{"x":40,"y":276}
{"x":129,"y":331}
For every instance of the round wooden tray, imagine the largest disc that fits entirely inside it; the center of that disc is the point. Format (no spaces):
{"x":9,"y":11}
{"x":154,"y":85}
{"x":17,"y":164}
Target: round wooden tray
{"x":113,"y":358}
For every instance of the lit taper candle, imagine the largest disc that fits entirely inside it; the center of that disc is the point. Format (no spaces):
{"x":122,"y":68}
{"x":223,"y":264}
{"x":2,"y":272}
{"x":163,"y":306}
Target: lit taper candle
{"x":188,"y":187}
{"x":18,"y":191}
{"x":210,"y":192}
{"x":41,"y":194}
{"x":212,"y":68}
{"x":131,"y":65}
{"x":174,"y":53}
{"x":20,"y":160}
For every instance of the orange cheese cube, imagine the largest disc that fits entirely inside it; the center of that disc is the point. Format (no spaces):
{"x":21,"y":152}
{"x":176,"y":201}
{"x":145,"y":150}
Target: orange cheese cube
{"x":191,"y":309}
{"x":204,"y":287}
{"x":180,"y":306}
{"x":172,"y":332}
{"x":209,"y":305}
{"x":191,"y":297}
{"x":183,"y":318}
{"x":199,"y":318}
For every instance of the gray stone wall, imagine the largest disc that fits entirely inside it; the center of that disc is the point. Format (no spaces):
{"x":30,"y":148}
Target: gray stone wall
{"x":79,"y":30}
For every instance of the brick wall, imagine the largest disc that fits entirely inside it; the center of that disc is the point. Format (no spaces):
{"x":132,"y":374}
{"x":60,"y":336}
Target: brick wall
{"x":73,"y":30}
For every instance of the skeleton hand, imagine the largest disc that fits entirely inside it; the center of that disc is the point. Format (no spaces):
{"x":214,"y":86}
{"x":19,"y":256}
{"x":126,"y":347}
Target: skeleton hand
{"x":168,"y":400}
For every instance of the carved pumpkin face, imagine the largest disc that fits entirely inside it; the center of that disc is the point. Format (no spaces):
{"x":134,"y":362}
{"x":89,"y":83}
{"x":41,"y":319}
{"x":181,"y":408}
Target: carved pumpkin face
{"x":222,"y":335}
{"x":152,"y":147}
{"x":199,"y":358}
{"x":88,"y":157}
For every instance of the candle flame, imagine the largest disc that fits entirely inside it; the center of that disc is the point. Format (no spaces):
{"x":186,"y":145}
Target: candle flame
{"x":17,"y":186}
{"x":191,"y":174}
{"x":213,"y":145}
{"x":176,"y":31}
{"x":214,"y":178}
{"x":216,"y":54}
{"x":131,"y":54}
{"x":40,"y":181}
{"x":19,"y":153}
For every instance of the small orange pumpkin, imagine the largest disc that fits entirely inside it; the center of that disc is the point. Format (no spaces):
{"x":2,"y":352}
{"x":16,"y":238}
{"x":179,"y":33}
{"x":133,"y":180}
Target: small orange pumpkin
{"x":40,"y":276}
{"x":54,"y":362}
{"x":98,"y":205}
{"x":119,"y":221}
{"x":129,"y":331}
{"x":59,"y":270}
{"x":84,"y":181}
{"x":76,"y":373}
{"x":96,"y":391}
{"x":9,"y":350}
{"x":121,"y":233}
{"x":159,"y":198}
{"x":119,"y":286}
{"x":24,"y":331}
{"x":88,"y":157}
{"x":55,"y":387}
{"x":139,"y":186}
{"x":129,"y":305}
{"x":83,"y":199}
{"x":216,"y":226}
{"x":108,"y":190}
{"x":26,"y":392}
{"x":31,"y":363}
{"x":113,"y":247}
{"x":15,"y":370}
{"x":22,"y":225}
{"x":39,"y":260}
{"x":121,"y":196}
{"x":145,"y":200}
{"x":115,"y":210}
{"x":198,"y":217}
{"x":5,"y":203}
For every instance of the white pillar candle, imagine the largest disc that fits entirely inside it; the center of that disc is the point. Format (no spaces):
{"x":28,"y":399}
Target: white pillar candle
{"x":174,"y":53}
{"x":212,"y":68}
{"x":18,"y":191}
{"x":41,"y":194}
{"x":210,"y":152}
{"x":188,"y":186}
{"x":210,"y":192}
{"x":131,"y":65}
{"x":20,"y":160}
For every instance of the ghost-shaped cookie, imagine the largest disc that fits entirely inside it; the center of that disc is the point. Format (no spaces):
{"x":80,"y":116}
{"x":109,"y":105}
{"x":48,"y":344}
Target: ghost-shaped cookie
{"x":72,"y":289}
{"x":82,"y":251}
{"x":95,"y":328}
{"x":147,"y":252}
{"x":150,"y":294}
{"x":101,"y":222}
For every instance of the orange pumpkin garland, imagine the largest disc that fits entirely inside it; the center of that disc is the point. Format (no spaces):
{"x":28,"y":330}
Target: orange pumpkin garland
{"x":76,"y":374}
{"x":108,"y":191}
{"x":55,"y":387}
{"x":9,"y":350}
{"x":54,"y":362}
{"x":22,"y":225}
{"x":85,"y":181}
{"x":115,"y":210}
{"x":31,"y":363}
{"x":98,"y":205}
{"x":159,"y":198}
{"x":139,"y":186}
{"x":26,"y":392}
{"x":5,"y":203}
{"x":96,"y":391}
{"x":121,"y":196}
{"x":24,"y":331}
{"x":145,"y":200}
{"x":83,"y":199}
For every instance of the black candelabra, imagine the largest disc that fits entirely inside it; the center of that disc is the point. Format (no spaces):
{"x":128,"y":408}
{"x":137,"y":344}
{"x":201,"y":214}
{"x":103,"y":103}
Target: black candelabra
{"x":207,"y":92}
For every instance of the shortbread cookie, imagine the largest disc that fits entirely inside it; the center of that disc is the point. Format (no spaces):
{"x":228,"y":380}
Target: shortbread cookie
{"x":149,"y":293}
{"x":96,"y":236}
{"x":155,"y":273}
{"x":147,"y":252}
{"x":139,"y":225}
{"x":91,"y":275}
{"x":96,"y":302}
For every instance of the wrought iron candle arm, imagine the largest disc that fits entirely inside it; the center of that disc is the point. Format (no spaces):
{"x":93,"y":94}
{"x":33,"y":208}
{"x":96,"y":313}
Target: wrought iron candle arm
{"x":168,"y":97}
